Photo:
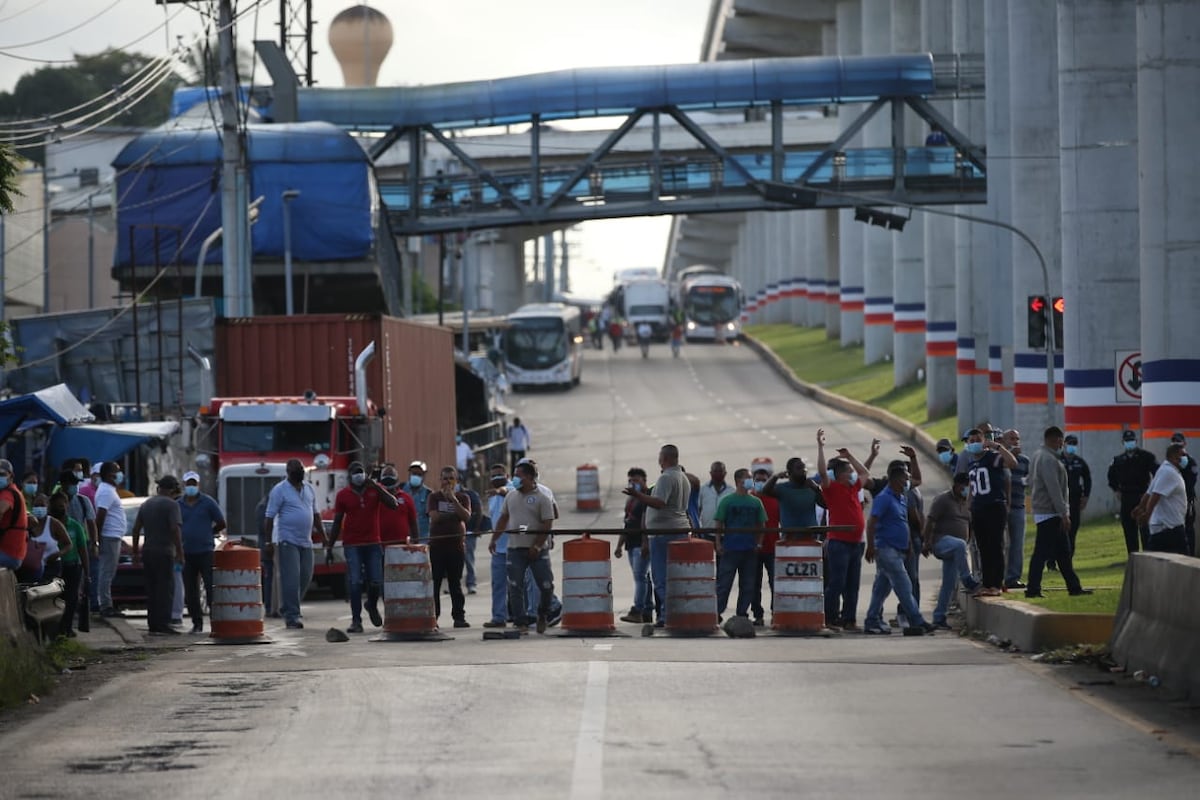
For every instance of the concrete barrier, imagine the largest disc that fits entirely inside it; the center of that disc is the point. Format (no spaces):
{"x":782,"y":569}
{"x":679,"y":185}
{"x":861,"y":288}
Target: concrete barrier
{"x":1157,"y":627}
{"x":10,"y":605}
{"x":1032,"y":628}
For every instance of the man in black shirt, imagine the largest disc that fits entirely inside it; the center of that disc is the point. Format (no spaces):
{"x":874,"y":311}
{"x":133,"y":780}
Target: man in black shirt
{"x":633,"y":540}
{"x":1129,"y":476}
{"x":987,"y":465}
{"x":1079,"y":484}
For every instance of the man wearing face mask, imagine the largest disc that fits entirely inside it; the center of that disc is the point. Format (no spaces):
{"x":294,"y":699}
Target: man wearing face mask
{"x":292,"y":522}
{"x":1018,"y":480}
{"x":946,"y":455}
{"x":947,"y":531}
{"x":766,"y":553}
{"x":203,"y":521}
{"x":888,"y":542}
{"x":396,"y":525}
{"x":1079,"y":486}
{"x":841,"y":480}
{"x":633,"y":540}
{"x":712,"y":493}
{"x":1191,"y":470}
{"x":110,"y":521}
{"x":420,"y":495}
{"x":1164,"y":508}
{"x":1051,"y":513}
{"x":739,"y":520}
{"x":449,"y":511}
{"x":988,"y":463}
{"x":1129,"y":476}
{"x":527,"y":516}
{"x":356,"y":519}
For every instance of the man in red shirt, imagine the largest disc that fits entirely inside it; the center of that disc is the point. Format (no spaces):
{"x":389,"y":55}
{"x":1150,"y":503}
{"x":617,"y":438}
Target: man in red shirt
{"x":396,"y":525}
{"x":449,"y":510}
{"x":841,"y":483}
{"x":356,"y":519}
{"x":14,"y":534}
{"x":766,"y":553}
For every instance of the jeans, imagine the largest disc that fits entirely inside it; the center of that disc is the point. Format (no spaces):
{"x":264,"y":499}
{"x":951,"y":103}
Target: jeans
{"x":195,"y":567}
{"x":363,"y":559}
{"x":518,"y":562}
{"x":469,"y":560}
{"x":73,"y":577}
{"x":743,"y":563}
{"x":1016,"y":545}
{"x":8,"y":561}
{"x":499,"y":587}
{"x":295,"y":573}
{"x":766,"y":561}
{"x":658,"y":568}
{"x":890,"y":574}
{"x":159,"y":569}
{"x":842,"y":579}
{"x":1169,"y":540}
{"x":110,"y":555}
{"x":952,"y":552}
{"x":1054,"y":544}
{"x":1134,"y":534}
{"x":177,"y":594}
{"x":912,"y":565}
{"x":94,"y":583}
{"x":643,"y":587}
{"x":989,"y":531}
{"x":446,"y":563}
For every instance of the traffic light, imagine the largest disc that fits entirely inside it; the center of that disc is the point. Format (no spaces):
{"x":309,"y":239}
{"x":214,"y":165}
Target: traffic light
{"x":873,"y":216}
{"x":1036,"y":310}
{"x":1057,"y":315}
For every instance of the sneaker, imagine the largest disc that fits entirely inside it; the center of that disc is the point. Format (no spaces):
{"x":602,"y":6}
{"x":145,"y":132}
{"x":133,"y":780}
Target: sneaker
{"x":177,"y":621}
{"x":471,"y":590}
{"x":541,"y":623}
{"x":876,"y":630}
{"x":373,"y":613}
{"x":495,"y":623}
{"x":1033,"y":594}
{"x":848,"y":625}
{"x":295,"y":623}
{"x":632,"y":617}
{"x":1014,"y":585}
{"x":833,"y":624}
{"x":1081,"y":591}
{"x":197,"y":628}
{"x":461,"y":623}
{"x":523,"y":629}
{"x":662,"y":623}
{"x":942,"y":626}
{"x":111,"y":612}
{"x":555,"y":616}
{"x":355,"y":627}
{"x":915,"y":630}
{"x":759,"y":622}
{"x":647,"y":618}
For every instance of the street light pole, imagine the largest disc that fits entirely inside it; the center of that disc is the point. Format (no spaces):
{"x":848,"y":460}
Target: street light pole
{"x":288,"y":196}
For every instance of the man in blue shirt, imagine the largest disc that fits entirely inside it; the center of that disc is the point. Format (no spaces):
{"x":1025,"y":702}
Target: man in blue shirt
{"x":887,"y":546}
{"x":743,"y":515}
{"x":292,"y":521}
{"x":203,"y":520}
{"x":420,"y":495}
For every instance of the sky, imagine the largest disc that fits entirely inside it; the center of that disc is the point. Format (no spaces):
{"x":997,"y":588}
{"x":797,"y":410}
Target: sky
{"x":434,"y":41}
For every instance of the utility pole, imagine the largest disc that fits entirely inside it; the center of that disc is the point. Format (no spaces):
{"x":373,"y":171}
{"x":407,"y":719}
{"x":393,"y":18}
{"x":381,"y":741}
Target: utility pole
{"x":233,"y":202}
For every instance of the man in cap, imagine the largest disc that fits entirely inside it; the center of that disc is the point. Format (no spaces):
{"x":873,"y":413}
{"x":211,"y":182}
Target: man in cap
{"x":203,"y":521}
{"x":356,"y":519}
{"x":947,"y":456}
{"x":160,"y":519}
{"x":110,"y":521}
{"x":292,"y":522}
{"x":420,"y":495}
{"x":1129,"y":476}
{"x":1191,"y":470}
{"x":1079,"y":486}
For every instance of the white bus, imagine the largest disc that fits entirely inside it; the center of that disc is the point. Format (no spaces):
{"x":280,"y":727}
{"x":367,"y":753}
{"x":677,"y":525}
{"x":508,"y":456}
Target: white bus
{"x":543,"y":346}
{"x":712,"y":306}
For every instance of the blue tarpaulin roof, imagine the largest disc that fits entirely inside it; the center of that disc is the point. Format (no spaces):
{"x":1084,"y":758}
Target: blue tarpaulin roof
{"x":54,"y":405}
{"x":105,"y":442}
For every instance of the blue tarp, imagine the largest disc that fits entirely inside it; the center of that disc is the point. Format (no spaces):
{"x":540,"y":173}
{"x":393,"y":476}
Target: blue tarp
{"x":105,"y":442}
{"x":170,"y":177}
{"x":607,"y":91}
{"x":54,"y":405}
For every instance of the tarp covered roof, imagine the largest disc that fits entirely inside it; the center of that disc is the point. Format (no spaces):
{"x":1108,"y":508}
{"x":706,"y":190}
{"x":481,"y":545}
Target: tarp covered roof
{"x":53,"y":405}
{"x":106,"y":442}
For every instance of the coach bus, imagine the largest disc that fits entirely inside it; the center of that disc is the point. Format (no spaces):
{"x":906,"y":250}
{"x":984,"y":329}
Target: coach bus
{"x":543,"y":346}
{"x":712,"y":306}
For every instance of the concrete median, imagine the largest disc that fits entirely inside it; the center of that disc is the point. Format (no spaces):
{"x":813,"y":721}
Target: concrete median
{"x":1032,"y":628}
{"x":1157,"y":625}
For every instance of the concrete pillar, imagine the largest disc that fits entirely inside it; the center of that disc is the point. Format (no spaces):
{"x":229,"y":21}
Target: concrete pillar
{"x":877,"y":241}
{"x":973,"y":242}
{"x":501,"y":265}
{"x":1097,"y":85}
{"x":908,"y":246}
{"x":937,"y":36}
{"x":1036,"y":189}
{"x":846,"y":282}
{"x":833,"y":305}
{"x":1168,"y":83}
{"x":775,"y":246}
{"x":814,"y":267}
{"x":796,"y":226}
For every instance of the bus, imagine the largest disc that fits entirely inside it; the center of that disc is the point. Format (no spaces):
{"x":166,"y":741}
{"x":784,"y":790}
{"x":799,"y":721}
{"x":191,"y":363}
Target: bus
{"x":543,"y":346}
{"x":712,"y":306}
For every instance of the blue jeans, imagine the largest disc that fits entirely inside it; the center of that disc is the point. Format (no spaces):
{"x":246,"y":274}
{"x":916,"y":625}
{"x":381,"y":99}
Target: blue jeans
{"x":518,"y":562}
{"x":363,"y":559}
{"x":295,"y":573}
{"x":643,"y":587}
{"x":533,"y":595}
{"x":766,"y":562}
{"x":952,"y":552}
{"x":469,"y":558}
{"x":110,"y":556}
{"x":841,"y":582}
{"x":1016,"y":545}
{"x":658,"y":569}
{"x":743,"y":563}
{"x":499,"y":587}
{"x":912,"y":565}
{"x":890,"y":574}
{"x":8,"y":561}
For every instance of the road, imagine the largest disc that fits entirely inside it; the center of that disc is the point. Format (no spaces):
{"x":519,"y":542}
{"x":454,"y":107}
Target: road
{"x":557,"y":717}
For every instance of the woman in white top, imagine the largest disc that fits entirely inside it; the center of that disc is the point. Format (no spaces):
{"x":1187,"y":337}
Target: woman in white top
{"x":53,"y":536}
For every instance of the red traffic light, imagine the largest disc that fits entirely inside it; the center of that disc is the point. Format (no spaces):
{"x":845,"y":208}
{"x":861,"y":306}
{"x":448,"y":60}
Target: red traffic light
{"x":1037,"y":304}
{"x":1058,"y":304}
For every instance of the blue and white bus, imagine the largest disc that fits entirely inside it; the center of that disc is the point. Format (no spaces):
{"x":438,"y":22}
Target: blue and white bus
{"x":712,"y":306}
{"x":543,"y":346}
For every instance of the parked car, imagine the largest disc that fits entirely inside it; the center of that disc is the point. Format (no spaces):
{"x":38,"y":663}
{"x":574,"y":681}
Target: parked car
{"x":129,"y":584}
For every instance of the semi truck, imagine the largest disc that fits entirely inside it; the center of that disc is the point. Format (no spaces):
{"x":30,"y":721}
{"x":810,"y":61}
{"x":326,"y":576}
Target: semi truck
{"x":644,"y":300}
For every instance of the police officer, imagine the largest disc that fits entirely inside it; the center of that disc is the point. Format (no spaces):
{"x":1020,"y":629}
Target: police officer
{"x":1129,"y":476}
{"x":1079,"y":483}
{"x":1190,"y":472}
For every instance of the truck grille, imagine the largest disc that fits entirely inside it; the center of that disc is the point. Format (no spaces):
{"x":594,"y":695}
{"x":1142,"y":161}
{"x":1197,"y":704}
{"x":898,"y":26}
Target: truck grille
{"x":241,"y":498}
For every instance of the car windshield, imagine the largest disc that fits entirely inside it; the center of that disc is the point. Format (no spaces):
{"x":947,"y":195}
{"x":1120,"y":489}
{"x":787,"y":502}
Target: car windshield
{"x":276,"y":437}
{"x":535,"y":343}
{"x":712,"y":305}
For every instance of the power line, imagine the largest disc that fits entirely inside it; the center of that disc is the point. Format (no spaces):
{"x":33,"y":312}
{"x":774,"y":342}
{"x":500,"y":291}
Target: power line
{"x":61,"y":34}
{"x":23,"y":11}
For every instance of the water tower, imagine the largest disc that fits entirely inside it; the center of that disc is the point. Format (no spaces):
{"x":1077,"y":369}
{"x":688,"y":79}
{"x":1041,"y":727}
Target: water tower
{"x":360,"y":38}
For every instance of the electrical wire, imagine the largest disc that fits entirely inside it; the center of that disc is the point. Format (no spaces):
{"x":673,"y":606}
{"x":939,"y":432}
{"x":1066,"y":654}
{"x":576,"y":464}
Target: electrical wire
{"x":61,"y":34}
{"x":22,"y":11}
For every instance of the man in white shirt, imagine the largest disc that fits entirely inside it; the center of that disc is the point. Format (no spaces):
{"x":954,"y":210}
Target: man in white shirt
{"x":463,"y":454}
{"x":518,"y":442}
{"x":110,"y":521}
{"x":1165,"y":504}
{"x":712,"y":493}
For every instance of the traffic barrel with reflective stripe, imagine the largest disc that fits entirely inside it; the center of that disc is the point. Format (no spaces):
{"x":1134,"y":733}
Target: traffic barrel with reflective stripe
{"x":587,"y":488}
{"x":799,"y":588}
{"x":237,"y":610}
{"x":587,"y":598}
{"x":408,"y":608}
{"x":691,"y":604}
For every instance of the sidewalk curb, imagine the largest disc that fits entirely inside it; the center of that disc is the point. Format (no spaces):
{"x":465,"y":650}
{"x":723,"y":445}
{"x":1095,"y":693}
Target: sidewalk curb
{"x":123,"y":629}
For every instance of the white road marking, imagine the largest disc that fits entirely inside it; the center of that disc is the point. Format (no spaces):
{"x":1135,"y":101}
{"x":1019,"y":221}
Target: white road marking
{"x":602,"y":647}
{"x":587,"y":778}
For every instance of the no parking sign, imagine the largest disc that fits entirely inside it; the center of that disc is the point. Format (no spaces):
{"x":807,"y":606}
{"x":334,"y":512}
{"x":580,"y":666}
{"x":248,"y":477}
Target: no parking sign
{"x":1129,"y":376}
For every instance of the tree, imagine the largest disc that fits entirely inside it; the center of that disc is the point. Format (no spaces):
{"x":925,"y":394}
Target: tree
{"x":9,"y":168}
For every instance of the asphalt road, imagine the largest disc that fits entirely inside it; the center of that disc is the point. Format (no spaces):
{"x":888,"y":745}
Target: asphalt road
{"x":558,"y":717}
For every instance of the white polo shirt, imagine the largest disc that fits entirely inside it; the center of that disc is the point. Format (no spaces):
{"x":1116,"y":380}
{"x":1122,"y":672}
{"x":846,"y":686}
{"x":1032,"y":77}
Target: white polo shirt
{"x":1171,"y":508}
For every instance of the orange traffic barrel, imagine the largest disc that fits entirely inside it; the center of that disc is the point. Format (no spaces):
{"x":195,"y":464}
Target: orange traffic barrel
{"x":691,"y":587}
{"x":587,"y":488}
{"x":587,"y":593}
{"x":799,"y":588}
{"x":237,"y":610}
{"x":408,"y":609}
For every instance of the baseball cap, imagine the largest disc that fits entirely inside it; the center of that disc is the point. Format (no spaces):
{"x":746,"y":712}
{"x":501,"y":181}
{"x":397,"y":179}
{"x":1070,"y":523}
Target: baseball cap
{"x":1071,"y":439}
{"x":1178,"y":437}
{"x":96,"y":465}
{"x":1128,"y":436}
{"x":191,"y":476}
{"x":168,"y":482}
{"x":944,"y":444}
{"x":418,"y":465}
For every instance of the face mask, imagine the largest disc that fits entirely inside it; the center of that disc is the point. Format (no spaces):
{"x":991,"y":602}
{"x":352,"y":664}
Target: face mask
{"x":516,"y":483}
{"x":964,"y":491}
{"x":119,"y":478}
{"x":31,"y":488}
{"x":974,"y":448}
{"x":3,"y":483}
{"x":1183,"y":462}
{"x":944,"y":456}
{"x":829,"y":474}
{"x":191,"y":491}
{"x":748,"y":484}
{"x":458,"y":440}
{"x":414,"y":481}
{"x":758,"y":485}
{"x":853,"y":477}
{"x":908,"y":486}
{"x":39,"y":512}
{"x":358,"y":478}
{"x":78,"y":475}
{"x":1072,"y":449}
{"x":637,"y":487}
{"x":389,"y":481}
{"x":295,"y":475}
{"x":1130,"y":445}
{"x":72,"y":491}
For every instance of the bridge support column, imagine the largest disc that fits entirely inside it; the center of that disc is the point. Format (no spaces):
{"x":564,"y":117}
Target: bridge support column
{"x":500,"y":266}
{"x":908,"y":246}
{"x":779,"y":268}
{"x":1168,"y":118}
{"x":833,"y":289}
{"x":877,"y":242}
{"x":810,"y":231}
{"x":1097,"y":74}
{"x":847,"y":283}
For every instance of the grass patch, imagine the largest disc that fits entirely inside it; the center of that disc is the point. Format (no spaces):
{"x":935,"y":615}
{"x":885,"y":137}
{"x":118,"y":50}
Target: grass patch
{"x":1099,"y":561}
{"x":827,"y":364}
{"x":26,"y":669}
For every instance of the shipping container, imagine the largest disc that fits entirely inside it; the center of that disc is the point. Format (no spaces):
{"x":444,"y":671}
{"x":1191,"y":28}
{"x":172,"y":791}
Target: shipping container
{"x":411,"y":377}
